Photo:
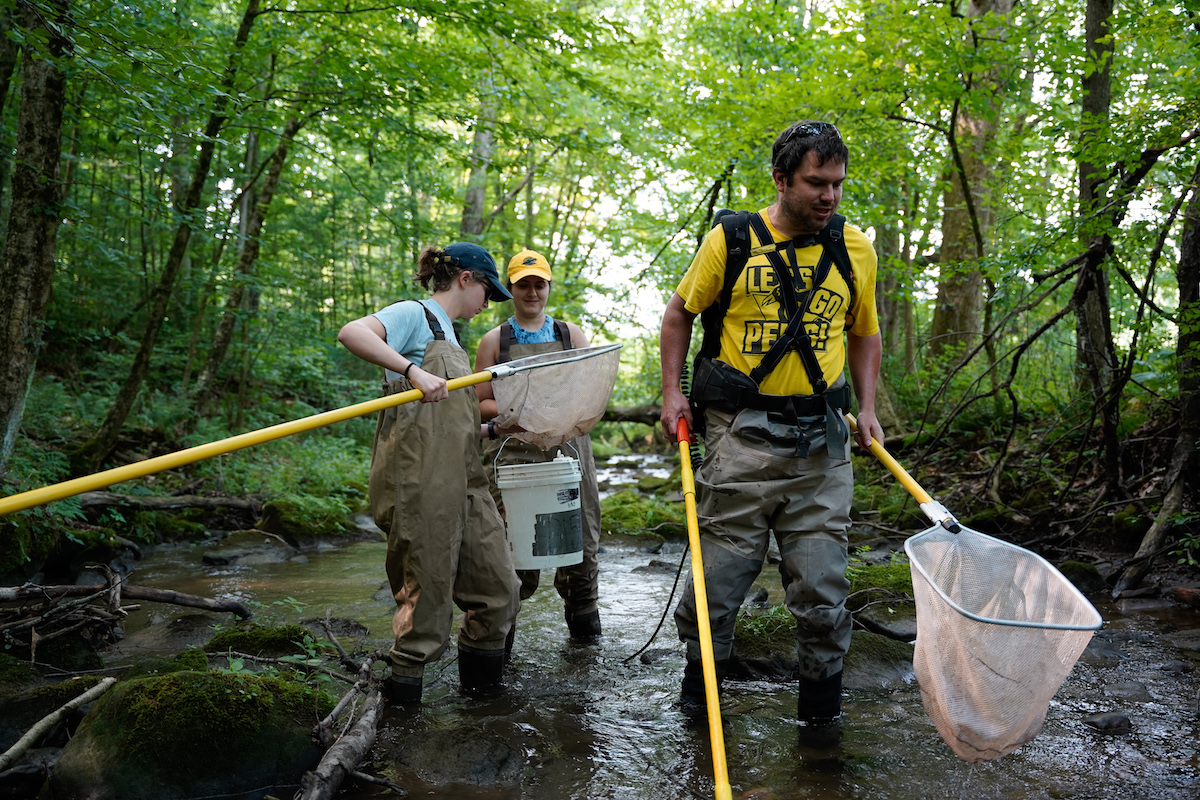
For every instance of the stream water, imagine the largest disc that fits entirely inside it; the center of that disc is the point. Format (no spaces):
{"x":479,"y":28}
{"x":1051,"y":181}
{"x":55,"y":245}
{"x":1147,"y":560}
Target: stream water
{"x":588,"y":721}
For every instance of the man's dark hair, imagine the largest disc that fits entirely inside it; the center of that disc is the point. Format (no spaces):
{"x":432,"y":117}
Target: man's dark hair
{"x":799,"y":138}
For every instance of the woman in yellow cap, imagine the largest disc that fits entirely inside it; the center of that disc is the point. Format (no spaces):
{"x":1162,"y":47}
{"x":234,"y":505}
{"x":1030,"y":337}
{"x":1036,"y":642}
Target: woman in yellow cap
{"x":445,"y":539}
{"x":530,"y":331}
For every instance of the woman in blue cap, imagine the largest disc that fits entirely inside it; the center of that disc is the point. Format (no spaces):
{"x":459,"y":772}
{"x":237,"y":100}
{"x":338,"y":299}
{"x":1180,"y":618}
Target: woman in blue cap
{"x":429,"y":494}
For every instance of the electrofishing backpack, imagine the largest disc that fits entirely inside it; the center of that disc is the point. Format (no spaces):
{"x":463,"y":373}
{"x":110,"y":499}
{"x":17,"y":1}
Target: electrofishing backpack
{"x":736,"y":225}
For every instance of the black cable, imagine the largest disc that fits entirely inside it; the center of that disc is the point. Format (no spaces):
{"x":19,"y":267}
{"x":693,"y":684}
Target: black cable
{"x":666,"y":609}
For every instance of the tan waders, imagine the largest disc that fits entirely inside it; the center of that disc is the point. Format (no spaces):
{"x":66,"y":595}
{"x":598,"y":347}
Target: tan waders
{"x":750,"y":486}
{"x":579,"y":584}
{"x":446,"y":542}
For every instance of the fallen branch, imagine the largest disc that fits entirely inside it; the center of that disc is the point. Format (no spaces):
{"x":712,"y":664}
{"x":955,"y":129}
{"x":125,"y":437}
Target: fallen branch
{"x":342,"y":758}
{"x":50,"y":720}
{"x":145,"y":503}
{"x":35,"y":592}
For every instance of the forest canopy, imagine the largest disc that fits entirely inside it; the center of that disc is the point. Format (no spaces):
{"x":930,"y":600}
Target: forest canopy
{"x":196,"y":195}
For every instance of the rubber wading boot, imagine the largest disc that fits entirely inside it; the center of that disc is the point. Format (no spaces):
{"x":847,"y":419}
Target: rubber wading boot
{"x":819,"y":711}
{"x":584,"y":627}
{"x":402,"y":690}
{"x":480,"y":672}
{"x":691,"y":694}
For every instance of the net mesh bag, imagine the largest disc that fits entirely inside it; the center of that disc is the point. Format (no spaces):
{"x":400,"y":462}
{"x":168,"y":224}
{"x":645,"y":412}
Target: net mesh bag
{"x":998,"y":630}
{"x":556,"y":396}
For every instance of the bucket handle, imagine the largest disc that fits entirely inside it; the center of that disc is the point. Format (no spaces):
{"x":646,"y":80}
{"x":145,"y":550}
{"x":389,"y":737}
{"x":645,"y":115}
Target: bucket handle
{"x":496,"y":460}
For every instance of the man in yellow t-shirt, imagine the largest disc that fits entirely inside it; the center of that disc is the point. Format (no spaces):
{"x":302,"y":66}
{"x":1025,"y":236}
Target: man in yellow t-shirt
{"x":776,"y":459}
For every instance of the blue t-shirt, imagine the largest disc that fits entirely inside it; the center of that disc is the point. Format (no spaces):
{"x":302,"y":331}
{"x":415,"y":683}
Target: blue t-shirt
{"x":408,"y":331}
{"x":542,"y":336}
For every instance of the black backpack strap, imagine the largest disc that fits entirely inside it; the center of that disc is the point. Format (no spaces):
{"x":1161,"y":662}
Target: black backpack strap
{"x":507,"y":339}
{"x":794,"y":336}
{"x":434,"y":325}
{"x":834,"y":240}
{"x":563,"y":334}
{"x":736,"y":225}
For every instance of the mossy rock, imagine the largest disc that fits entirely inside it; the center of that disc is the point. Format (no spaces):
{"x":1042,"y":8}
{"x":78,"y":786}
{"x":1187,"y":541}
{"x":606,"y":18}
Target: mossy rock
{"x":193,"y":659}
{"x":304,"y":521}
{"x":193,"y":734}
{"x":629,"y":512}
{"x":24,"y":546}
{"x":650,"y":484}
{"x":1130,"y":526}
{"x":15,"y":674}
{"x":894,"y":576}
{"x":22,"y":708}
{"x":1086,"y":577}
{"x":71,"y":653}
{"x":259,"y":640}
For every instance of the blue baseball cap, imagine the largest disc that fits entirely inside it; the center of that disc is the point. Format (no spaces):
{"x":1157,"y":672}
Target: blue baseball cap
{"x":471,"y":256}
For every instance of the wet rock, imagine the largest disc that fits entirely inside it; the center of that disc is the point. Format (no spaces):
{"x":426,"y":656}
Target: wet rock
{"x":338,"y":625}
{"x":192,"y":734}
{"x":1185,"y":595}
{"x":23,"y":781}
{"x":1186,"y":640}
{"x":1177,"y":667}
{"x":190,"y":630}
{"x":384,"y":592}
{"x":658,"y":654}
{"x":1133,"y":691}
{"x":1110,"y":722}
{"x":1086,"y":577}
{"x":457,"y":756}
{"x":656,"y":567}
{"x":248,"y":548}
{"x":758,"y":597}
{"x":897,"y":621}
{"x":1101,"y":652}
{"x":876,"y":662}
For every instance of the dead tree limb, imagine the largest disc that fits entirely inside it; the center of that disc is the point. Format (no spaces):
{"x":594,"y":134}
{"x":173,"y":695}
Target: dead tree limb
{"x":143,"y":503}
{"x":35,"y":592}
{"x":341,"y":759}
{"x":50,"y":720}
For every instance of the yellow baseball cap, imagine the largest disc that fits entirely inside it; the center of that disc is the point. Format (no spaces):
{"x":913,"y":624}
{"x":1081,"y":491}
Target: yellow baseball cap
{"x":527,"y":263}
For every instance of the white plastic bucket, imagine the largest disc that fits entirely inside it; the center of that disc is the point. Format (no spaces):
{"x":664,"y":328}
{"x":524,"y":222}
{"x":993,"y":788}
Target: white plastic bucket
{"x":542,"y":511}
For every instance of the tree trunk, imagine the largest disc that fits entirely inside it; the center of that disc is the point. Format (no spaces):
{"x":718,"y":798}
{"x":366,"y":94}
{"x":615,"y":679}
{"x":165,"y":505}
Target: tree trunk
{"x":92,"y":454}
{"x":28,"y":263}
{"x":1097,"y":356}
{"x":482,"y":149}
{"x":1180,"y":480}
{"x":9,"y":53}
{"x":251,"y":246}
{"x":967,"y":209}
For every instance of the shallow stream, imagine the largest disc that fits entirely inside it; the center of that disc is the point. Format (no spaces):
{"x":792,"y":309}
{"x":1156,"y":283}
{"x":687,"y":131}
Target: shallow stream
{"x":586,"y":721}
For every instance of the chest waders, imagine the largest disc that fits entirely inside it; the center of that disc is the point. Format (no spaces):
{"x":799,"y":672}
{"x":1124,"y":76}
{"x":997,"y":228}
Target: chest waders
{"x":578,"y":584}
{"x":445,"y":540}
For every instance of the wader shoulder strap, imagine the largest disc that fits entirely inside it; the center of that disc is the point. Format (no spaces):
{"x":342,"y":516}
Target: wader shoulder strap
{"x":563,"y":334}
{"x":507,"y":339}
{"x":434,"y":325}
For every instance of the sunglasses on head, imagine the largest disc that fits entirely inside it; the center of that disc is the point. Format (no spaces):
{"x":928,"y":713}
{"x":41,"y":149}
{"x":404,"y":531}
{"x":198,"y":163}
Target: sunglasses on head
{"x":807,"y":129}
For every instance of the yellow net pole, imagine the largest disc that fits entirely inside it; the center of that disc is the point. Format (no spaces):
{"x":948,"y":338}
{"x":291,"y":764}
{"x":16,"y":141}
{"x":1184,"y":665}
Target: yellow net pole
{"x":894,"y":467}
{"x":707,"y":661}
{"x":99,"y":480}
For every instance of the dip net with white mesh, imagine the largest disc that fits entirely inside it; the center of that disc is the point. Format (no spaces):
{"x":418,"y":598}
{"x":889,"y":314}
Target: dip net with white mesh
{"x":556,"y":396}
{"x":998,"y":630}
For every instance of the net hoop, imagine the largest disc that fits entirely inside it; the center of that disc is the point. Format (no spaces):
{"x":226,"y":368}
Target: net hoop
{"x":913,"y":543}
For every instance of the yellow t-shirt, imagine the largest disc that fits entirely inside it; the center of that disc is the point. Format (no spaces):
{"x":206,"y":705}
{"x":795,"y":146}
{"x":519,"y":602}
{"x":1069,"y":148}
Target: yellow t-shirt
{"x":756,"y":315}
